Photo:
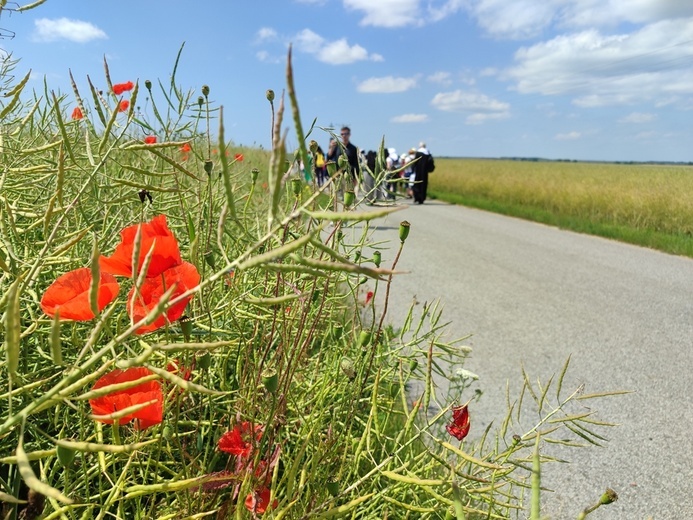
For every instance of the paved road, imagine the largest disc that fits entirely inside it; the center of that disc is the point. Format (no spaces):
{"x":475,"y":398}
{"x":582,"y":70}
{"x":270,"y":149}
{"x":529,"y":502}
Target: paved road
{"x":534,"y":294}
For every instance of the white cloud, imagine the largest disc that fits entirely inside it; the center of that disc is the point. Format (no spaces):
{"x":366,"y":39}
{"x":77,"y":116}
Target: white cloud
{"x":638,"y":117}
{"x":410,"y":118}
{"x":570,"y":136}
{"x":337,"y":52}
{"x":442,"y":78}
{"x":646,"y":135}
{"x":480,"y":107}
{"x":47,"y":30}
{"x":651,"y":63}
{"x":518,"y":19}
{"x":386,"y":85}
{"x":266,"y":34}
{"x":387,"y":13}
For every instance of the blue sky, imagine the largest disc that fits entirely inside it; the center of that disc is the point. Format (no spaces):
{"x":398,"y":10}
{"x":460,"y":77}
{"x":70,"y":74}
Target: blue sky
{"x":575,"y":79}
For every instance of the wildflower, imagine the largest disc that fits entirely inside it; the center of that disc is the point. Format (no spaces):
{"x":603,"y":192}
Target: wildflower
{"x":166,"y":253}
{"x":259,"y":500}
{"x":68,"y":296}
{"x":150,"y":139}
{"x":123,"y":105}
{"x":120,"y":399}
{"x":119,"y":88}
{"x":185,"y":148}
{"x":369,"y":297}
{"x":77,"y":114}
{"x":240,"y":440}
{"x":459,"y":427}
{"x":239,"y":157}
{"x":182,"y":277}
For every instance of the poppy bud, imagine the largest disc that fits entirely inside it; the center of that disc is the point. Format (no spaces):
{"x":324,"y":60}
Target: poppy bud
{"x":357,"y":255}
{"x":66,"y":456}
{"x":608,"y":497}
{"x":313,"y":146}
{"x":186,"y":326}
{"x":270,"y":95}
{"x":296,"y":186}
{"x":148,"y":84}
{"x":168,"y":432}
{"x":413,"y":363}
{"x":347,"y":366}
{"x":331,"y":168}
{"x":349,"y":197}
{"x":200,"y":101}
{"x":205,"y":90}
{"x":342,"y":161}
{"x":253,"y":174}
{"x":363,"y":280}
{"x":364,"y":338}
{"x":404,"y":230}
{"x":516,"y":439}
{"x":205,"y":361}
{"x":337,"y":331}
{"x":377,"y":257}
{"x":332,"y":486}
{"x":209,"y":258}
{"x":208,"y":167}
{"x":270,"y":381}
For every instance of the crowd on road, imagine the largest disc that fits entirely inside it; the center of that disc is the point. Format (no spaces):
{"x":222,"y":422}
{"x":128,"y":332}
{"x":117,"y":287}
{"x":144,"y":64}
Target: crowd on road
{"x":376,"y":176}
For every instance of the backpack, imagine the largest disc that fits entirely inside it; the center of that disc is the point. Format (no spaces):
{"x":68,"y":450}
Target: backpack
{"x":431,"y":164}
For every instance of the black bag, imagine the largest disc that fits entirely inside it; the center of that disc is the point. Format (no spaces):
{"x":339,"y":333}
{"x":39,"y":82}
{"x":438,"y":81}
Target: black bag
{"x":431,"y":164}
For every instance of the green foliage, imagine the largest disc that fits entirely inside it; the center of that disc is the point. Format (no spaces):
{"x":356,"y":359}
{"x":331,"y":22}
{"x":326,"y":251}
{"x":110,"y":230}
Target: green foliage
{"x":279,"y":335}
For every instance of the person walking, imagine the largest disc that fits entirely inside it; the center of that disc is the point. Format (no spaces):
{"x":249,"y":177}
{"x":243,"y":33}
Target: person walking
{"x":349,"y":150}
{"x":422,"y":167}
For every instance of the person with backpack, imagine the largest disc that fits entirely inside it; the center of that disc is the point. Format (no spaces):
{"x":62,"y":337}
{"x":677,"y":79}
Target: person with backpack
{"x":423,"y":165}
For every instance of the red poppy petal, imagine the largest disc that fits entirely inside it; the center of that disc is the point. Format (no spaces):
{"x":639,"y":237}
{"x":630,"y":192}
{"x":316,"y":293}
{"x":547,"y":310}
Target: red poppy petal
{"x":166,"y":252}
{"x":183,"y":276}
{"x":259,"y":500}
{"x":70,"y":295}
{"x":121,"y":399}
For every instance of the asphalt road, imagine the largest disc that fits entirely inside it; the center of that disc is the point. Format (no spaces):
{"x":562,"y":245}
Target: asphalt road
{"x":532,"y":294}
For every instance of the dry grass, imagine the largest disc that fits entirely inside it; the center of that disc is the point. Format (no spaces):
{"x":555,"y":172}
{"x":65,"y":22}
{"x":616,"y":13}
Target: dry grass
{"x":643,"y":200}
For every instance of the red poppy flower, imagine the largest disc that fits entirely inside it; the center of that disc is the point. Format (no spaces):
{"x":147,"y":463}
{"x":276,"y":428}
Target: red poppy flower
{"x":259,"y":500}
{"x":77,"y":113}
{"x":459,"y":427}
{"x":119,"y":88}
{"x":239,"y":157}
{"x":124,"y":105}
{"x":369,"y":297}
{"x":120,"y":399}
{"x":183,"y":276}
{"x":239,"y":441}
{"x":150,"y":139}
{"x":166,"y":253}
{"x":69,"y":295}
{"x":185,"y":148}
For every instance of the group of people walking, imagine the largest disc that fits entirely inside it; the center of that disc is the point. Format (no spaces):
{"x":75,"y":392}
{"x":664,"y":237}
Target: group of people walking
{"x":380,"y":177}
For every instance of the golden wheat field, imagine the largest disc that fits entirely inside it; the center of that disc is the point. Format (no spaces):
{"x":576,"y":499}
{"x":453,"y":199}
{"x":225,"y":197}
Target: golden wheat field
{"x":640,"y":196}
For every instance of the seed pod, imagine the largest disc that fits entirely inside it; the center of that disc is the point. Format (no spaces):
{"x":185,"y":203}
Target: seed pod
{"x":332,"y":486}
{"x":208,"y":167}
{"x":270,"y":381}
{"x":66,"y":456}
{"x":349,"y":197}
{"x":364,"y":338}
{"x":148,"y":84}
{"x":377,"y":258}
{"x":204,"y":361}
{"x":186,"y":326}
{"x":313,"y":146}
{"x":200,"y":101}
{"x":404,"y":230}
{"x":253,"y":174}
{"x":296,"y":186}
{"x":331,"y":168}
{"x":205,"y":90}
{"x":270,"y":95}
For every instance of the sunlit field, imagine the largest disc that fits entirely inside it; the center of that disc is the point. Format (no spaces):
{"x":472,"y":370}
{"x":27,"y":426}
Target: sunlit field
{"x":649,"y":205}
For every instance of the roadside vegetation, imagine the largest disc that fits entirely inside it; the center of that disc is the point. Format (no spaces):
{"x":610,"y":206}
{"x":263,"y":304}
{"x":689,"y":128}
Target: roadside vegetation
{"x":643,"y":204}
{"x":187,"y":333}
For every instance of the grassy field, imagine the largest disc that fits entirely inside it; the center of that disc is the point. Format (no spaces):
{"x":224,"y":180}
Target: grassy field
{"x":648,"y":205}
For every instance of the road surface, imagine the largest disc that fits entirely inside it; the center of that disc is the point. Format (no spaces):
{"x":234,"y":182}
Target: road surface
{"x":532,"y":294}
